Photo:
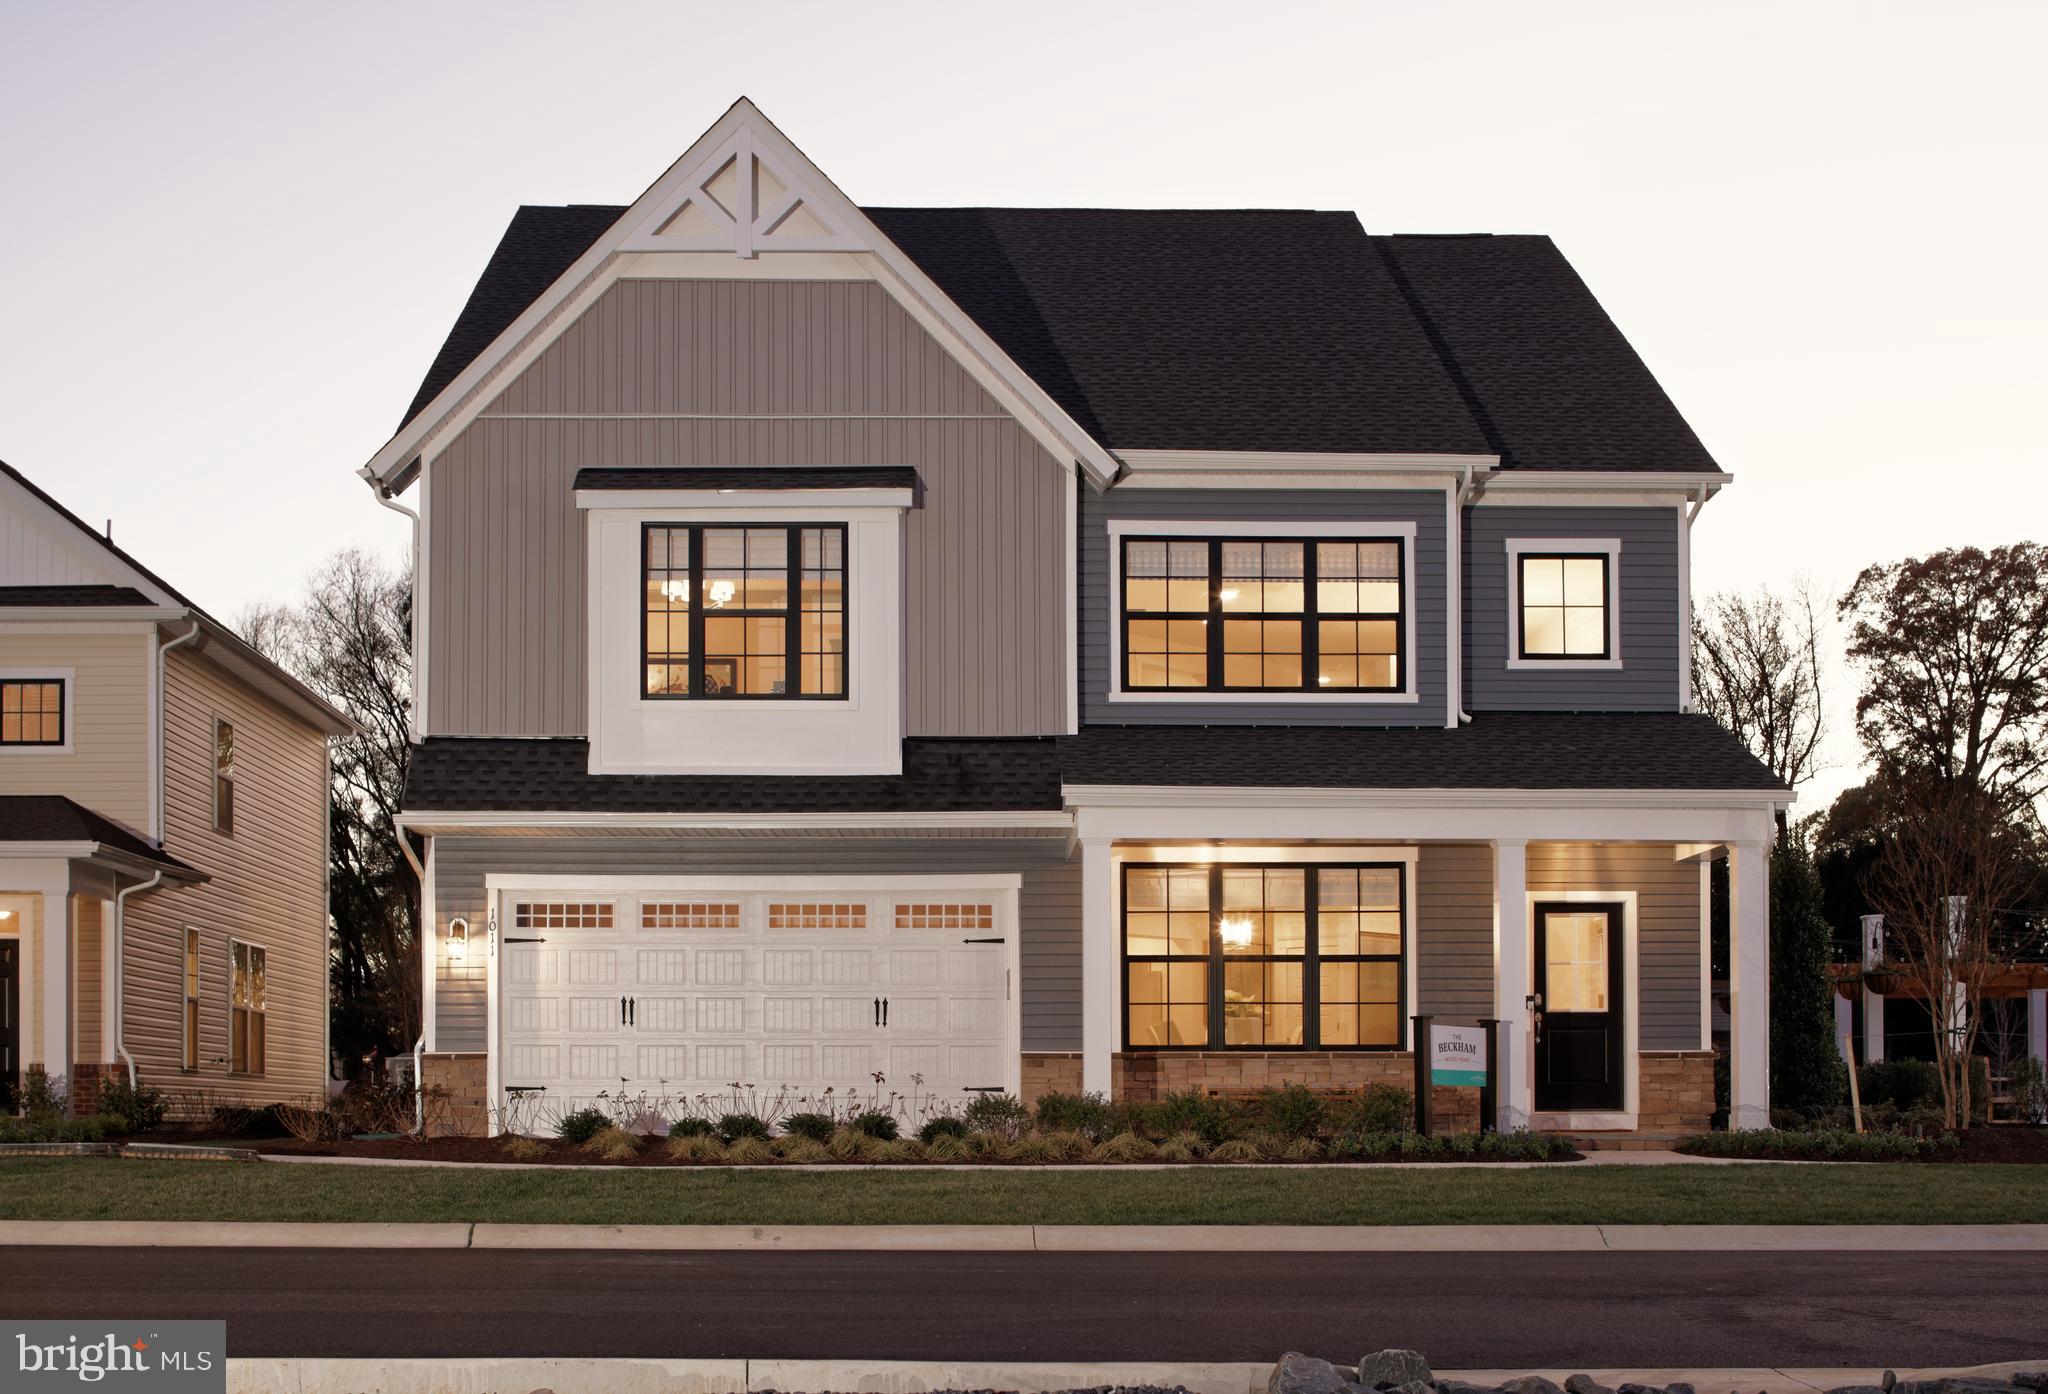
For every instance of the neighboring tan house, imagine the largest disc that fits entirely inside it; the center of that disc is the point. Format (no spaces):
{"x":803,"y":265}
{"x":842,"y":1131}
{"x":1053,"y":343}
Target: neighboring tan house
{"x":163,"y":832}
{"x":1015,"y":649}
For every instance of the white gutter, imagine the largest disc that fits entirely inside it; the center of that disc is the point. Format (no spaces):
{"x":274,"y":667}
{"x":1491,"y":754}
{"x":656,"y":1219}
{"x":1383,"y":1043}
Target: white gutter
{"x":379,"y":492}
{"x":119,"y":994}
{"x":1691,"y":511}
{"x":157,"y":812}
{"x":426,"y":934}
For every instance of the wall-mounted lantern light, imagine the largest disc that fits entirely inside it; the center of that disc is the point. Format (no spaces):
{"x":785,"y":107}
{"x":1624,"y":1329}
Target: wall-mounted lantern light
{"x":458,"y":940}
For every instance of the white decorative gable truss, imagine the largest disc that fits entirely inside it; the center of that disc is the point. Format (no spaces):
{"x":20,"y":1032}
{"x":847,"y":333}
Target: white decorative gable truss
{"x":743,"y":190}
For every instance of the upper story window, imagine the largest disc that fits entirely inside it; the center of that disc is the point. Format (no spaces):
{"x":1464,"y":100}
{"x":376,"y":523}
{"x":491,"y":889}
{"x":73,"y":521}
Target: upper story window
{"x":224,"y":777}
{"x":743,"y":612}
{"x":1222,"y":614}
{"x":32,"y":712}
{"x":1563,"y":597}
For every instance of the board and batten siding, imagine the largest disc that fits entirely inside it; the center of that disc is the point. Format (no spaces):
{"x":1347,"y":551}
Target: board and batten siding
{"x":1648,"y":588}
{"x":268,"y":887}
{"x":1423,"y":508}
{"x":1671,"y":942}
{"x":745,"y":373}
{"x":111,"y":667}
{"x":1048,"y":905}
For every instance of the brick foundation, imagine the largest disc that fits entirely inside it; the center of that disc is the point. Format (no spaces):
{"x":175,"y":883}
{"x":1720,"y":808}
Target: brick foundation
{"x":85,"y":1087}
{"x":1049,"y":1072}
{"x":1153,"y":1075}
{"x":1675,"y":1091}
{"x":458,"y":1095}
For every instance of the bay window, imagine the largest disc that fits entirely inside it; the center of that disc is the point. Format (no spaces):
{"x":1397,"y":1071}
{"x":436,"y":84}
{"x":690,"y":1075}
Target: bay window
{"x":744,"y":611}
{"x":1263,"y":957}
{"x":1219,"y":614}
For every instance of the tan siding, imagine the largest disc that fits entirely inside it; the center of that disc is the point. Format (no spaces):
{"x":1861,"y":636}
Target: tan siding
{"x":1454,"y":931}
{"x":986,"y":550}
{"x":268,"y":887}
{"x":108,"y":769}
{"x":1668,"y":924}
{"x":88,"y":995}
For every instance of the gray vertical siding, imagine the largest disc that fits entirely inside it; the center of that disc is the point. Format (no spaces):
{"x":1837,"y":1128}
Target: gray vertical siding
{"x":1650,"y":654}
{"x":681,"y":373}
{"x":1048,"y":906}
{"x":1667,"y":920}
{"x":1454,"y":931}
{"x":1424,"y":508}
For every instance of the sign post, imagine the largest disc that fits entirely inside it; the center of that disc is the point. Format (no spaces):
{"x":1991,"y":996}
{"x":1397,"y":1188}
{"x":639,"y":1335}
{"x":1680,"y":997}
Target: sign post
{"x":1489,"y":1092}
{"x":1454,"y":1057}
{"x":1418,"y":1039}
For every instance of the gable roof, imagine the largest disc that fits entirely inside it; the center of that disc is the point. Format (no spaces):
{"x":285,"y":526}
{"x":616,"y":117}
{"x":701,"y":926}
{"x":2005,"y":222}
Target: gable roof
{"x":1266,"y":330}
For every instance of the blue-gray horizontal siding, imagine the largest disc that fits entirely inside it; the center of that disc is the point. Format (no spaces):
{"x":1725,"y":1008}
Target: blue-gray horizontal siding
{"x":1648,"y":677}
{"x":1048,"y":906}
{"x":1423,"y":508}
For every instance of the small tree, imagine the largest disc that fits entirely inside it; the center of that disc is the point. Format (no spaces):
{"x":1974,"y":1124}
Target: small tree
{"x":1756,"y":670}
{"x":1806,"y":1068}
{"x":1951,"y":867}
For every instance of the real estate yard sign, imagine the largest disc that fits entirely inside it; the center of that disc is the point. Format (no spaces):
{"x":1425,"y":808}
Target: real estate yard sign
{"x":1457,"y":1055}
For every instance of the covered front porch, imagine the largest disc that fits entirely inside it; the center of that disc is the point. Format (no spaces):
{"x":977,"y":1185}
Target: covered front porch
{"x":1239,"y":939}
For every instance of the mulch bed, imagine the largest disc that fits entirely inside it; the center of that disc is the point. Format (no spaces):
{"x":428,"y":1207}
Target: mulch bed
{"x":2002,"y":1143}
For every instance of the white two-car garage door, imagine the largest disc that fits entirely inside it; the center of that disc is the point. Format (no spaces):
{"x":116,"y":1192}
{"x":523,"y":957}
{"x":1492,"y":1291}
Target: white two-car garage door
{"x":684,"y":990}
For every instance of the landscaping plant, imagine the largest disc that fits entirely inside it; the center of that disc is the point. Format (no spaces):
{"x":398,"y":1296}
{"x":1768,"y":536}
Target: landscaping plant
{"x":734,"y":1126}
{"x":815,"y":1126}
{"x":875,"y":1124}
{"x":1001,"y":1114}
{"x":1089,"y":1114}
{"x":581,"y":1125}
{"x":139,"y":1108}
{"x":945,"y":1125}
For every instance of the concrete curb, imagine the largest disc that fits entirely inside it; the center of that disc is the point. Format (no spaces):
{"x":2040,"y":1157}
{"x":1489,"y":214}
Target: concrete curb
{"x":1038,"y":1238}
{"x":1591,"y":1159}
{"x":255,"y":1376}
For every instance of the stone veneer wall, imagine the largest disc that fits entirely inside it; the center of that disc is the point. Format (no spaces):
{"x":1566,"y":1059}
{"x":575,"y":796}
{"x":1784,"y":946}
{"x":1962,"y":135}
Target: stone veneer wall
{"x":458,"y":1088}
{"x":1151,"y":1076}
{"x":1675,"y":1091}
{"x":1050,"y":1072}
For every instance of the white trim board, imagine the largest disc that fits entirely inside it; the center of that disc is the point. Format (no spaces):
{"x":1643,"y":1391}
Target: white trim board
{"x":1608,"y":547}
{"x":66,"y":717}
{"x":1052,"y":820}
{"x":1631,"y":1006}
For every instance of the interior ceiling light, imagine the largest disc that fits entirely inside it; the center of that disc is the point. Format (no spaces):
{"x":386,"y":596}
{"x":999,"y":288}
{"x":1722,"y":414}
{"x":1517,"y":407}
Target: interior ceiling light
{"x":1235,"y":934}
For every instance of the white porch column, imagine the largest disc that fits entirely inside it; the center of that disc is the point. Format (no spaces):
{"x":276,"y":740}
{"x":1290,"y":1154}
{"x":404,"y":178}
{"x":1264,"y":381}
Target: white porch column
{"x":1511,"y":982}
{"x":2037,"y":1024}
{"x":1101,"y":994}
{"x":1749,"y":985}
{"x":1873,"y":1002}
{"x":54,"y":908}
{"x":1845,"y":1030}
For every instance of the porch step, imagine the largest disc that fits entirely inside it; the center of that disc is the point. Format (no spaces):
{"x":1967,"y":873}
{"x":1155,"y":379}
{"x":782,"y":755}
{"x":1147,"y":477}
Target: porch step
{"x":1627,"y":1142}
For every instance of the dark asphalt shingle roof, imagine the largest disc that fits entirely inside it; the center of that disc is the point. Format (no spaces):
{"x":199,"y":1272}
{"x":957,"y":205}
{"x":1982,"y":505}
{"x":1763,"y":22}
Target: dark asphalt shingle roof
{"x":454,"y":774}
{"x":1565,"y":751}
{"x":753,"y":477}
{"x":54,"y":818}
{"x":1239,"y":330}
{"x":17,"y":597}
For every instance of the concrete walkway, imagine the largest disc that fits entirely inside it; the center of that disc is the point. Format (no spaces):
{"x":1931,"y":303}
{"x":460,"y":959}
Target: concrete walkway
{"x":1037,"y":1238}
{"x":916,"y":1377}
{"x":1590,"y":1159}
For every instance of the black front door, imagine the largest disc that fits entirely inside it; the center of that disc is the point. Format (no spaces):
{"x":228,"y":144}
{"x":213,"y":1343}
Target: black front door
{"x":10,"y":1022}
{"x":1579,"y":1028}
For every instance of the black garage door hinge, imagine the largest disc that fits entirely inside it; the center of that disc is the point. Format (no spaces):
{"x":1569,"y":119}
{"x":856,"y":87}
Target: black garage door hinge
{"x":999,"y":939}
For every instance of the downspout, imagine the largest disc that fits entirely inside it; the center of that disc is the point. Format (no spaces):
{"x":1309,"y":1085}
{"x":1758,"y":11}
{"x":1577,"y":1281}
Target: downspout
{"x":163,"y":724}
{"x":426,"y":933}
{"x":382,"y":494}
{"x":1454,"y":587}
{"x":1685,"y":702}
{"x":120,"y":987}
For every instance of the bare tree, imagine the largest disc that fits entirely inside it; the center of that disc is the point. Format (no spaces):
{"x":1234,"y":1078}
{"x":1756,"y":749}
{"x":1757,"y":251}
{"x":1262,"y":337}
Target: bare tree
{"x":1756,"y":670}
{"x":350,"y":640}
{"x":1952,"y":867}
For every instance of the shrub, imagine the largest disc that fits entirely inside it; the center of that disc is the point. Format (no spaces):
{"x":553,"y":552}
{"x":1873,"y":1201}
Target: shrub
{"x":875,"y":1124}
{"x":1068,"y":1145}
{"x":692,"y":1127}
{"x":944,"y":1147}
{"x":984,"y":1147}
{"x":1303,"y":1149}
{"x":48,"y":1126}
{"x":1817,"y":1146}
{"x":1087,"y":1114}
{"x":42,"y":1093}
{"x":2027,"y":1083}
{"x":582,"y":1125}
{"x":1000,"y":1114}
{"x":239,"y":1120}
{"x":700,"y":1148}
{"x":1236,"y":1150}
{"x":1386,"y":1108}
{"x":734,"y":1126}
{"x":945,"y":1125}
{"x":796,"y":1148}
{"x":749,"y":1149}
{"x":368,"y":1106}
{"x":1904,"y":1084}
{"x":1124,"y":1147}
{"x":139,"y":1108}
{"x":904,"y":1149}
{"x":1036,"y":1149}
{"x":814,"y":1126}
{"x":310,"y":1122}
{"x":1182,"y":1147}
{"x":521,"y":1148}
{"x":1190,"y":1111}
{"x":850,"y":1145}
{"x":1291,"y":1112}
{"x":612,"y":1143}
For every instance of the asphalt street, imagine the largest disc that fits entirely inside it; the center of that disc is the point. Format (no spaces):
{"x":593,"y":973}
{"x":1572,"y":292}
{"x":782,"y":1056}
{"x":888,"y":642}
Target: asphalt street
{"x":1469,"y":1310}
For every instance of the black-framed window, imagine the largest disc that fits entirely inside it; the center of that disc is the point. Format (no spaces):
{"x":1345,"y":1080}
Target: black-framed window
{"x":1564,"y":598}
{"x":1218,"y":614}
{"x":248,"y":1014}
{"x":743,"y":611}
{"x":32,"y":711}
{"x":224,"y":777}
{"x":1283,"y":956}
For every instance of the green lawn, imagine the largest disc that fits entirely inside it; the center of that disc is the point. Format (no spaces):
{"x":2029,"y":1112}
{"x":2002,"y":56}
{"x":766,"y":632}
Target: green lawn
{"x":100,"y":1189}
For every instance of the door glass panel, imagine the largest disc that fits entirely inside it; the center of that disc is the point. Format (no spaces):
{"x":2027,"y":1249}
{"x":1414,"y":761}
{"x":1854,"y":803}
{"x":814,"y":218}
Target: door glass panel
{"x":1575,"y":962}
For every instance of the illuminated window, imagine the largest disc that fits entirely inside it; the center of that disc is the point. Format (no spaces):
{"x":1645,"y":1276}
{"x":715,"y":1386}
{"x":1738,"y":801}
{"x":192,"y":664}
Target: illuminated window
{"x":32,"y":712}
{"x":743,"y":612}
{"x":247,"y":1016}
{"x":1565,"y":599}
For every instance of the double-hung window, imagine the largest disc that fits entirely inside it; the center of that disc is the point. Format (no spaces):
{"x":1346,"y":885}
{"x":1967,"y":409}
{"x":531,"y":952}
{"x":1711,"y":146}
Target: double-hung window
{"x":191,"y":977}
{"x":741,"y":612}
{"x":1221,"y":614}
{"x":32,"y":711}
{"x":246,"y":1013}
{"x":1270,"y":957}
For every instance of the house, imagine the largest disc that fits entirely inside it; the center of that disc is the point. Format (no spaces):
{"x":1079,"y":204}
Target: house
{"x":163,"y":833}
{"x":1026,"y":649}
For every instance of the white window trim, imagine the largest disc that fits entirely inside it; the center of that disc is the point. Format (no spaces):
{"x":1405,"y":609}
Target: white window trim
{"x":263,"y":1011}
{"x":1404,"y":532}
{"x":1631,"y":1006}
{"x":1609,"y":547}
{"x":67,"y":676}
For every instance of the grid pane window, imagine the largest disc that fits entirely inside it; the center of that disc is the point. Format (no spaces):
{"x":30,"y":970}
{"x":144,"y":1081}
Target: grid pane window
{"x":191,"y":1059}
{"x":32,"y":712}
{"x":1255,"y":614}
{"x":1166,"y":944}
{"x":1564,"y":606}
{"x":1358,"y":945}
{"x":1263,"y":931}
{"x":744,"y":611}
{"x":246,"y":1014}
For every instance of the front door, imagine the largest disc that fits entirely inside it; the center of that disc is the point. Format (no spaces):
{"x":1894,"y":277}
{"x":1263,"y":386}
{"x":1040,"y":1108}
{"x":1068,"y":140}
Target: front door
{"x":10,"y":1022}
{"x":1579,"y":1023}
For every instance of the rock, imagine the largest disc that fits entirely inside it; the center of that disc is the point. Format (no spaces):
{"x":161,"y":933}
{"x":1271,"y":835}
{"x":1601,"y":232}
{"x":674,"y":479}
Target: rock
{"x":1887,"y":1380}
{"x":1585,"y":1384}
{"x":1458,"y":1386}
{"x":1413,"y":1386}
{"x":2036,"y":1380}
{"x":1679,"y":1388}
{"x":1858,"y":1389}
{"x":1955,"y":1384}
{"x":1386,"y":1369}
{"x":1304,"y":1374}
{"x":1633,"y":1388}
{"x":1530,"y":1384}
